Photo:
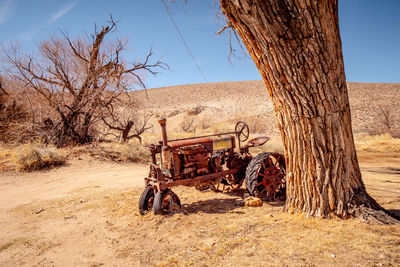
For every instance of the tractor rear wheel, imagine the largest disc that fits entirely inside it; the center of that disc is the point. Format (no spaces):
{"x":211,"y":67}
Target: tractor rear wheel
{"x":265,"y":176}
{"x":146,"y":200}
{"x":165,"y":202}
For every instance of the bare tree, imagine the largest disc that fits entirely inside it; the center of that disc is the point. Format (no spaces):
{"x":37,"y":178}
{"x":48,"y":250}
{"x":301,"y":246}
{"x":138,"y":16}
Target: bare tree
{"x":122,"y":116}
{"x":297,"y":49}
{"x":78,"y":77}
{"x":386,"y":118}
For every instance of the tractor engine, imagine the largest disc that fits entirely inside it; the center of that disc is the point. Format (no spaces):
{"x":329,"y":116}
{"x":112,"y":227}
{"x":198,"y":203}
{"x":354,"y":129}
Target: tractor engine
{"x":193,"y":157}
{"x":194,"y":160}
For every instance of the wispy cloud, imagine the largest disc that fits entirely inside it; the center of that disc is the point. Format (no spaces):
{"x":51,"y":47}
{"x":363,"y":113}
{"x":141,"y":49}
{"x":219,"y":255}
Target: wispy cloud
{"x":6,"y":11}
{"x":64,"y":10}
{"x":28,"y":35}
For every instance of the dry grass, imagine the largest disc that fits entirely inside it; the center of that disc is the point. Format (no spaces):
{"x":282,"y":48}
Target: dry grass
{"x":32,"y":157}
{"x":216,"y":229}
{"x":222,"y":127}
{"x":6,"y":152}
{"x":273,"y":145}
{"x":213,"y":229}
{"x":127,"y":152}
{"x":377,"y":143}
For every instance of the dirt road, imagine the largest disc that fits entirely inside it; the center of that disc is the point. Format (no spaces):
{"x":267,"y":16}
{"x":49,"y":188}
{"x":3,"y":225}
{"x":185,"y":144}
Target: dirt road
{"x":21,"y":188}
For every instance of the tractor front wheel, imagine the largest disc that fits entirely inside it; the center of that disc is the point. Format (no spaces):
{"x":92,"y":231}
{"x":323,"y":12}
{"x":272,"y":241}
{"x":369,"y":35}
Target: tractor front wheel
{"x":146,"y":200}
{"x":165,"y":202}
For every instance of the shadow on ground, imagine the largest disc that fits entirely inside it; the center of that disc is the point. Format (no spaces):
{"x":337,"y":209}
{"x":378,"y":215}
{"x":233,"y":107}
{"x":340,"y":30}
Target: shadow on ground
{"x":395,"y":212}
{"x":212,"y":206}
{"x":224,"y":205}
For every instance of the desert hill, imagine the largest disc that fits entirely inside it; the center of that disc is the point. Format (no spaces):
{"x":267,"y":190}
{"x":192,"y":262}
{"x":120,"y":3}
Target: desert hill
{"x":249,"y":100}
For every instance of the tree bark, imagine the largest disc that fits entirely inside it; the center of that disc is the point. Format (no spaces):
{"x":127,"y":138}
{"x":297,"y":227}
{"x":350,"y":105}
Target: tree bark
{"x":296,"y":46}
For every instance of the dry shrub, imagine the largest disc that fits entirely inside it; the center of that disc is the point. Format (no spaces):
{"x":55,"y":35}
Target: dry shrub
{"x":204,"y":123}
{"x":6,"y":152}
{"x":196,"y":110}
{"x":13,"y":116}
{"x":257,"y":124}
{"x":173,"y":113}
{"x":128,"y":152}
{"x":377,"y":143}
{"x":254,"y":124}
{"x":32,"y":157}
{"x":187,"y":125}
{"x":24,"y":115}
{"x":166,"y":113}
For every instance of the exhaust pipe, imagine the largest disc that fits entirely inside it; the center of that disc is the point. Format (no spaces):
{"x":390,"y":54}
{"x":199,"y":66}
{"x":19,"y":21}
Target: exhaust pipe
{"x":163,"y":124}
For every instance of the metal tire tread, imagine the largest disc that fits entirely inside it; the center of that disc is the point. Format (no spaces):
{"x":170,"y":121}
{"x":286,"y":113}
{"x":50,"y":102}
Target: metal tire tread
{"x":252,"y":172}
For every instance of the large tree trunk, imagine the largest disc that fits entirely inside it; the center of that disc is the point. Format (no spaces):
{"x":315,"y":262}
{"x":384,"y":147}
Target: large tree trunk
{"x":297,"y":49}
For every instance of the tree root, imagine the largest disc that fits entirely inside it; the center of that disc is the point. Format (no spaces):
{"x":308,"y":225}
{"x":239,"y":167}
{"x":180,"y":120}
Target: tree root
{"x":364,"y":207}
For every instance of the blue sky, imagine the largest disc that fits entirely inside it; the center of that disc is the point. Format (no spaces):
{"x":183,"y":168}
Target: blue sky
{"x":370,"y":35}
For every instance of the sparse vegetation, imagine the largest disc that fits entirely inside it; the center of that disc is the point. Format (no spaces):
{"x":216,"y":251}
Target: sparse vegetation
{"x":126,"y":152}
{"x":222,"y":127}
{"x":196,"y":110}
{"x":32,"y":157}
{"x":377,"y":143}
{"x":173,"y":113}
{"x":205,"y":123}
{"x":13,"y":116}
{"x":187,"y":124}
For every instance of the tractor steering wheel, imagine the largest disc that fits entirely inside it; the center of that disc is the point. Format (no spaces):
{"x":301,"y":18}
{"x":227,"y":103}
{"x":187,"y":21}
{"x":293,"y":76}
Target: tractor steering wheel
{"x":242,"y":131}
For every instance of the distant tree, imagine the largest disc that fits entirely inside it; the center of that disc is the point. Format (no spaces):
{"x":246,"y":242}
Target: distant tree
{"x":297,"y":49}
{"x":387,"y":119}
{"x":122,"y":116}
{"x":79,"y":77}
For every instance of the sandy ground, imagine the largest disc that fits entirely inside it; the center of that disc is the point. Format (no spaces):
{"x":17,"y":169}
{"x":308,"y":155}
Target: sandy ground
{"x":86,"y":214}
{"x":88,"y":175}
{"x":22,"y":188}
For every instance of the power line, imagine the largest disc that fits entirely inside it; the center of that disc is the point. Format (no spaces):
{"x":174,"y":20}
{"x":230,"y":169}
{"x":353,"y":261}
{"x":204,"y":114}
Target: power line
{"x":183,"y":40}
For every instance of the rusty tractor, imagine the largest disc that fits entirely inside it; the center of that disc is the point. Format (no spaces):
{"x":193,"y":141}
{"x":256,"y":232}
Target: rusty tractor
{"x":210,"y":162}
